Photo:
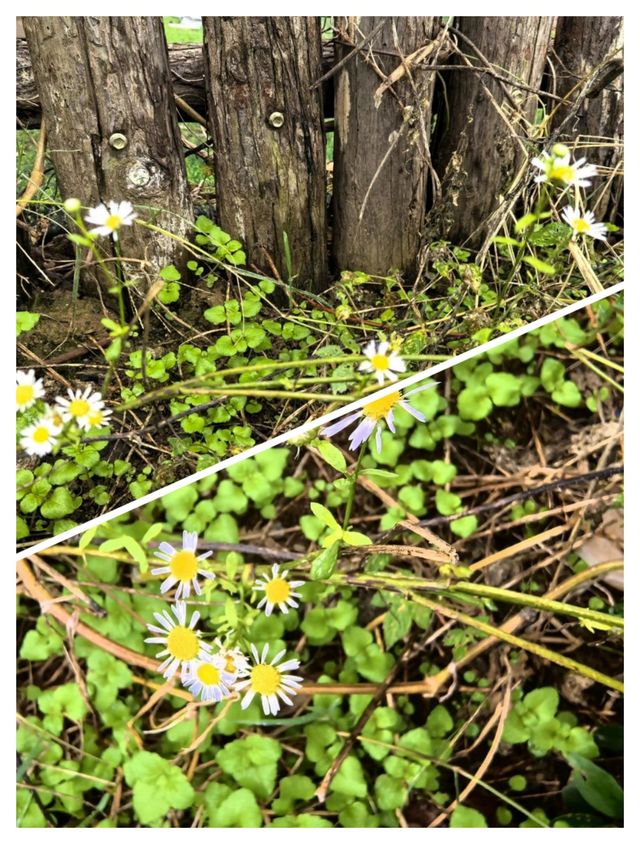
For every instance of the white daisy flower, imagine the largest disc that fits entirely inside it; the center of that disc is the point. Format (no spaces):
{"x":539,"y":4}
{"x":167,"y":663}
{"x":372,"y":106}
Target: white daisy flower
{"x":208,"y":679}
{"x":182,"y":566}
{"x":39,"y":438}
{"x":80,"y":407}
{"x":98,"y":418}
{"x":584,"y":223}
{"x":278,"y":591}
{"x":558,"y":168}
{"x":372,"y":415}
{"x":54,"y":417}
{"x":269,"y":681}
{"x":109,"y":220}
{"x":235,"y":662}
{"x":382,"y":362}
{"x":28,"y":389}
{"x":182,"y":643}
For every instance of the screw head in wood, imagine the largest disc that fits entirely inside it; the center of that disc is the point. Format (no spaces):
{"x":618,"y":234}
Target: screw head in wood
{"x":276,"y":119}
{"x":118,"y":140}
{"x":138,"y":175}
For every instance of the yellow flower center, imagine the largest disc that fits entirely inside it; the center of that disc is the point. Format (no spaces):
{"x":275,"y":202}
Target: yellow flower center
{"x":182,"y":643}
{"x":379,"y":408}
{"x":581,"y":225}
{"x":184,"y":565}
{"x":41,"y":434}
{"x":229,"y":664}
{"x":380,"y":362}
{"x":24,"y":393}
{"x":56,"y":420}
{"x":562,"y":173}
{"x":277,"y":590}
{"x":208,"y":674}
{"x":113,"y":222}
{"x":265,"y":679}
{"x":79,"y":407}
{"x":95,"y":418}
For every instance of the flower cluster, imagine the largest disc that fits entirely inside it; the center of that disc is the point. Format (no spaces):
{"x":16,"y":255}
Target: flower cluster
{"x":213,"y":672}
{"x":84,"y":410}
{"x":557,"y":168}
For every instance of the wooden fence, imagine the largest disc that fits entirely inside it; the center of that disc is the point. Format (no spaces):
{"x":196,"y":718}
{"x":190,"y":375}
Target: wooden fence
{"x":433,"y":123}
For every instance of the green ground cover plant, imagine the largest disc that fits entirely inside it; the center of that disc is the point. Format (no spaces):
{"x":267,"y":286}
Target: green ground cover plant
{"x":210,"y":358}
{"x":450,"y":654}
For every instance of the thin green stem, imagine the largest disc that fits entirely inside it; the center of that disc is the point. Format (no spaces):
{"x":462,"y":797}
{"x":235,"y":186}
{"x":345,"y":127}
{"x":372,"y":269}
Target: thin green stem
{"x":352,"y":491}
{"x":495,"y":593}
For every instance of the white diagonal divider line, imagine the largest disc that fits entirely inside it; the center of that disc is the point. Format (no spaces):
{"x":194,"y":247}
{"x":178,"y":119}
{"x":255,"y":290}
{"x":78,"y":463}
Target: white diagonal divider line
{"x":312,"y":424}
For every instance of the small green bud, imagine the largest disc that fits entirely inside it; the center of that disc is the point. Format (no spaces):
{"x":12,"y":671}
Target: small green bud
{"x":343,"y":312}
{"x":560,"y":150}
{"x":72,"y":205}
{"x":302,"y":439}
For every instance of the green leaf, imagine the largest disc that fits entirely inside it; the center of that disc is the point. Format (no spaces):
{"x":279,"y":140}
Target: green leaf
{"x":542,"y":266}
{"x":524,"y":222}
{"x":352,"y":537}
{"x":357,"y":816}
{"x":379,"y":475}
{"x":131,"y":546}
{"x":325,"y":516}
{"x":25,"y":321}
{"x":324,"y":564}
{"x":397,"y":621}
{"x":86,"y":538}
{"x":350,"y":778}
{"x":439,"y":721}
{"x":474,"y":403}
{"x":596,"y":786}
{"x":503,"y":389}
{"x":170,"y":273}
{"x":41,"y":642}
{"x":170,"y":293}
{"x":443,"y":472}
{"x":465,"y":526}
{"x":390,"y":793}
{"x":252,"y":762}
{"x":332,"y":455}
{"x":447,"y":503}
{"x":567,"y":394}
{"x":463,"y":816}
{"x":60,"y":503}
{"x":231,"y":809}
{"x":157,"y":786}
{"x":551,"y":374}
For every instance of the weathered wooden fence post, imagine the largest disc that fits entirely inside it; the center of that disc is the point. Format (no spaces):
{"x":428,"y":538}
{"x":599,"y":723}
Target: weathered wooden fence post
{"x":588,"y":72}
{"x":266,"y":125}
{"x":106,"y":95}
{"x":480,"y":144}
{"x":381,"y":147}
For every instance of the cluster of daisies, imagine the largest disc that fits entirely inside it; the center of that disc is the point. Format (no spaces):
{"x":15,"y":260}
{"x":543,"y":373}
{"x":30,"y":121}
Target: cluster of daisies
{"x":215,"y":671}
{"x":84,"y":409}
{"x":383,"y":364}
{"x":557,"y":168}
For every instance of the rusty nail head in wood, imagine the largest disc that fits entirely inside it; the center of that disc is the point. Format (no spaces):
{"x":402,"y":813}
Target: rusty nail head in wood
{"x":276,"y":119}
{"x":118,"y":140}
